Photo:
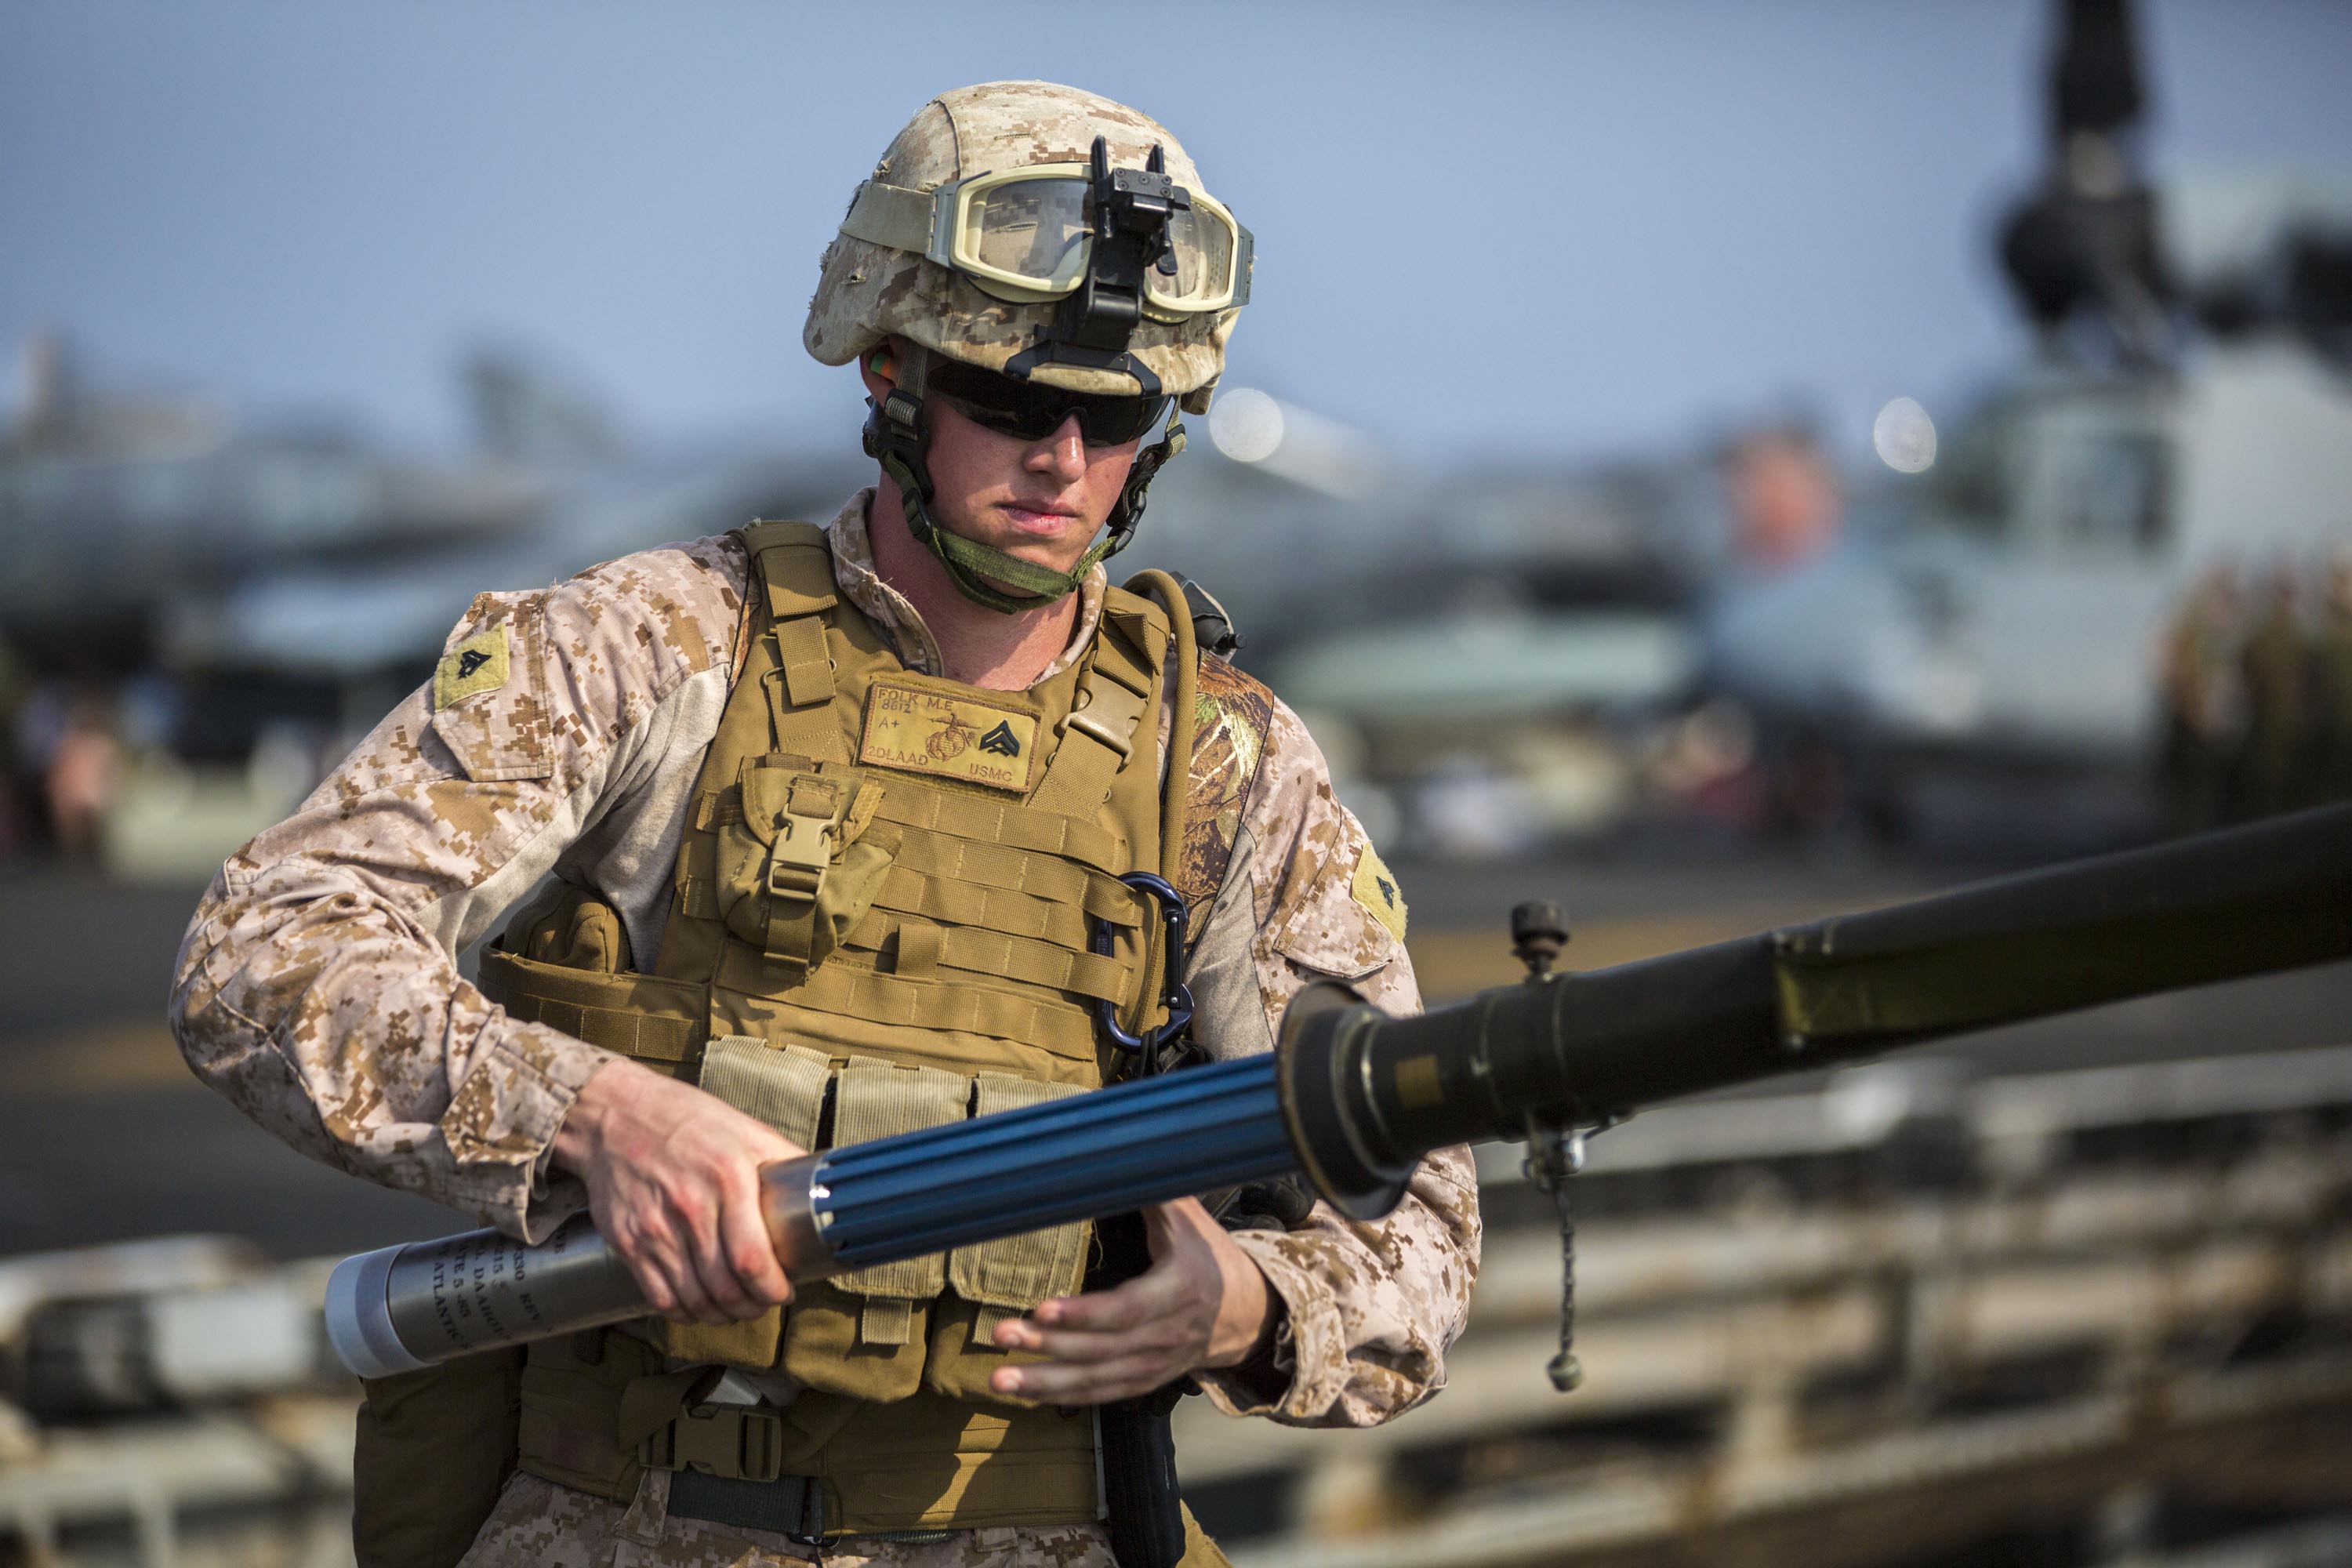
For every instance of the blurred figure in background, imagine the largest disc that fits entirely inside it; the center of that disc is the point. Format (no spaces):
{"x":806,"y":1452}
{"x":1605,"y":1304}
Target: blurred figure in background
{"x":2277,"y":667}
{"x":2332,"y":682}
{"x":1784,"y":495}
{"x":15,"y":825}
{"x":82,"y":773}
{"x":2203,"y":688}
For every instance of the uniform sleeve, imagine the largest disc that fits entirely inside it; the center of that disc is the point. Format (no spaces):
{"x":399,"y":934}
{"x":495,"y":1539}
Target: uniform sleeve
{"x":318,"y":989}
{"x":1370,"y":1309}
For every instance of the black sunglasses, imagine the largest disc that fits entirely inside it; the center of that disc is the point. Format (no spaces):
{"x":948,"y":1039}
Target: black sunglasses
{"x":1030,"y":412}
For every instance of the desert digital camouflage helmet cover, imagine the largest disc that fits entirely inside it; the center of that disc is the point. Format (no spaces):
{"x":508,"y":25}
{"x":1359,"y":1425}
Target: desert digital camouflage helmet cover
{"x":1048,"y":236}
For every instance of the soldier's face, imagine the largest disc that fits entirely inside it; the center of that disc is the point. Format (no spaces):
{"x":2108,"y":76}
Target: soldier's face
{"x":1041,"y":501}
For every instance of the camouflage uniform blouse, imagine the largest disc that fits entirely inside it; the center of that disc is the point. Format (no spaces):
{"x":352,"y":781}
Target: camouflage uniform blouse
{"x":318,"y":987}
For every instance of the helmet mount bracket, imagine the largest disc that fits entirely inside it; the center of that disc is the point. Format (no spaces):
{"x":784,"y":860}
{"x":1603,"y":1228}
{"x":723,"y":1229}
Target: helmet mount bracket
{"x":1129,"y":214}
{"x":1130,"y":211}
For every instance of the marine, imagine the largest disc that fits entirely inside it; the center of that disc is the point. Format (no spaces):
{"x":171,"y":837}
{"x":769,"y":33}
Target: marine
{"x":2202,"y":688}
{"x":2332,"y":679}
{"x":843,"y":830}
{"x":2276,"y":659}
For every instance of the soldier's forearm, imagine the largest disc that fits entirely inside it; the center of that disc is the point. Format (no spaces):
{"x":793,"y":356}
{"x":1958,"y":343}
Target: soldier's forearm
{"x":327,"y":1018}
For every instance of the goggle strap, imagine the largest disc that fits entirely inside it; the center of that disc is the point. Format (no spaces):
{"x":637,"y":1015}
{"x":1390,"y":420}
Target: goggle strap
{"x":890,"y":216}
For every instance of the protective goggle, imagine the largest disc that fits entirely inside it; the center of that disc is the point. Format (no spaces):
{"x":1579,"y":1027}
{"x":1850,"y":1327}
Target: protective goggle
{"x":1027,"y":236}
{"x":1032,"y":411}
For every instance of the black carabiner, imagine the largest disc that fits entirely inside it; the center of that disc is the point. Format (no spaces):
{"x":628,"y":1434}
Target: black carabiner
{"x":1176,"y":997}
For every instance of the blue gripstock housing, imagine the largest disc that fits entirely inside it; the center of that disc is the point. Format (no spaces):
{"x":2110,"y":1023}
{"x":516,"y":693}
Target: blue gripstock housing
{"x":1105,"y":1153}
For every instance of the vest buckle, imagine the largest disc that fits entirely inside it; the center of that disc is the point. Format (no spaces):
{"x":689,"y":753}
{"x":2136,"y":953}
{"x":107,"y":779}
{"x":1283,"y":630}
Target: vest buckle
{"x":797,"y":862}
{"x":1089,"y":725}
{"x":737,"y":1442}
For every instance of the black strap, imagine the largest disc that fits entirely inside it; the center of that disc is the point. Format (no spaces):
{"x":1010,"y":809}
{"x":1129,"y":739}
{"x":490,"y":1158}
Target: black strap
{"x":1145,"y":1508}
{"x":789,"y":1505}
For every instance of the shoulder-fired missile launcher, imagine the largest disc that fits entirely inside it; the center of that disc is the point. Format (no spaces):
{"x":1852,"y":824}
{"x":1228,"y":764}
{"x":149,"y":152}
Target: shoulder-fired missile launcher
{"x":1353,"y":1098}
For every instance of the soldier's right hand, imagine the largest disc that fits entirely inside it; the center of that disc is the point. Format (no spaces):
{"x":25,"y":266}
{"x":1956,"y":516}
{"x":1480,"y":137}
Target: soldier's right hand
{"x":673,"y":1183}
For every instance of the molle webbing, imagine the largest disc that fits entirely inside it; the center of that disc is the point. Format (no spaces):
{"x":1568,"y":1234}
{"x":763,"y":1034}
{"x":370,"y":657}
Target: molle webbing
{"x":1008,"y":824}
{"x":864,"y":995}
{"x":960,"y":886}
{"x":1008,"y":909}
{"x":655,"y":1022}
{"x":920,"y":952}
{"x":943,"y":878}
{"x":1036,"y":873}
{"x":900,"y":905}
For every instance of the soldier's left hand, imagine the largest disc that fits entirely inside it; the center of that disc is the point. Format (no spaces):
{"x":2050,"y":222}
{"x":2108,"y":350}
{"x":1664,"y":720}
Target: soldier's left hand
{"x":1202,"y":1303}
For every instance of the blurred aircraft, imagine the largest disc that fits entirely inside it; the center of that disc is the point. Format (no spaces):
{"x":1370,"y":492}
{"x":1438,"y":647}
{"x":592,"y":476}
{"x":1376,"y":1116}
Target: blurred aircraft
{"x":113,"y":507}
{"x":253,"y":602}
{"x":149,"y":533}
{"x":2192,"y":402}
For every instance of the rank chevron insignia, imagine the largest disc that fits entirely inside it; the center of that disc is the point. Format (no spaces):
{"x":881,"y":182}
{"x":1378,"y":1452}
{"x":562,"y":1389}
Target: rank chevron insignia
{"x":1000,"y":742}
{"x":1375,"y":889}
{"x":478,"y":664}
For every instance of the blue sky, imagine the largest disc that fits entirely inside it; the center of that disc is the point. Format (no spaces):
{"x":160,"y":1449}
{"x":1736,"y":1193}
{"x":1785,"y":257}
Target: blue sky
{"x":1546,"y":231}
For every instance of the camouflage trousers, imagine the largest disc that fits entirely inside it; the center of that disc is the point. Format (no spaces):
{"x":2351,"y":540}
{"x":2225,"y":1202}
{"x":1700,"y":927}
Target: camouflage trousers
{"x":538,"y":1525}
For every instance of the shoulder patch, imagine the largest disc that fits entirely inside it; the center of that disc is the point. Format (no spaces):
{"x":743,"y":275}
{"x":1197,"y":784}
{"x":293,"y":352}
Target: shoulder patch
{"x":490,"y":690}
{"x":478,"y":664}
{"x":1375,"y":888}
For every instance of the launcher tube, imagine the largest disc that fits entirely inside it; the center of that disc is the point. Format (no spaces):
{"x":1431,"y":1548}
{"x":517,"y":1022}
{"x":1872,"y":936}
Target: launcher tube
{"x":405,"y":1308}
{"x":1369,"y":1095}
{"x":1354,"y":1098}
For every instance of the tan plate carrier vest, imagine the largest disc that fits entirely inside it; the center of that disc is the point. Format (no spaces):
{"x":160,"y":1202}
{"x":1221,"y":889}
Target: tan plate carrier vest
{"x":881,"y":923}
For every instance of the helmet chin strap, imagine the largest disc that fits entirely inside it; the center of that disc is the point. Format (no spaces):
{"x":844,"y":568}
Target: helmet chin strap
{"x":896,"y":439}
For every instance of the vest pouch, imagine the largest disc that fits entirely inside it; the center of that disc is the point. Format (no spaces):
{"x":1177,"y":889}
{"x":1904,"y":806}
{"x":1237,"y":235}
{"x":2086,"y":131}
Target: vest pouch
{"x":434,"y":1448}
{"x":572,"y":928}
{"x":572,"y":1387}
{"x":1000,"y":1279}
{"x":794,"y":874}
{"x":865,"y":1333}
{"x":655,"y":1022}
{"x":785,"y":1088}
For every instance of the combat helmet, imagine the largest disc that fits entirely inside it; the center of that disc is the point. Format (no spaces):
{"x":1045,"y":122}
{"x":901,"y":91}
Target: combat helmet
{"x":1049,"y":236}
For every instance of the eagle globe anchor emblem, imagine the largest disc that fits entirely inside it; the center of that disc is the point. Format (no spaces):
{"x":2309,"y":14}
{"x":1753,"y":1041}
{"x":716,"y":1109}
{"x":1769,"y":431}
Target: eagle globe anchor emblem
{"x":952,"y":738}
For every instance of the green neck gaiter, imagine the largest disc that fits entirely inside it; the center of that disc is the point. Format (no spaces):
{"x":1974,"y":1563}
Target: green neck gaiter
{"x":976,"y":569}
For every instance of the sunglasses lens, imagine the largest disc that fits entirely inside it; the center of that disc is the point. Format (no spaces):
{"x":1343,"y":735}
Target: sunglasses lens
{"x":1029,"y":412}
{"x":1108,"y":421}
